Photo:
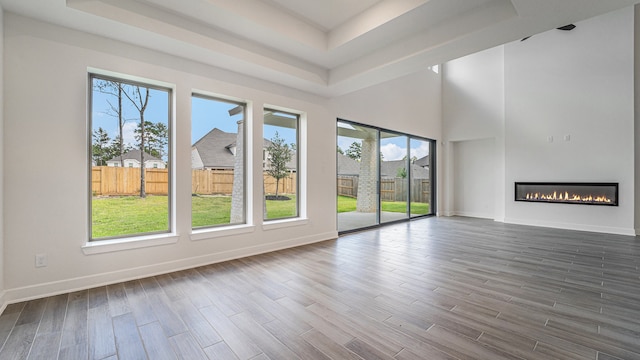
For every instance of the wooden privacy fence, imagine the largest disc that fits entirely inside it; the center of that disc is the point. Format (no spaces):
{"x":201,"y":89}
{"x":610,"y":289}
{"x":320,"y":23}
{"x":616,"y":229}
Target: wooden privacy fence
{"x":286,"y":185}
{"x":107,"y":180}
{"x":348,"y":186}
{"x":391,"y":189}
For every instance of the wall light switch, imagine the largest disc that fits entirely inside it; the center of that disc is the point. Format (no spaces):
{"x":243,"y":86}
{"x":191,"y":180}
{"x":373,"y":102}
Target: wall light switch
{"x":41,"y":260}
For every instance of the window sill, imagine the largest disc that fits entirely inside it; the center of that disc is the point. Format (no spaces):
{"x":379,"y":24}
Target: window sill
{"x":222,"y":231}
{"x":105,"y":246}
{"x":279,"y":224}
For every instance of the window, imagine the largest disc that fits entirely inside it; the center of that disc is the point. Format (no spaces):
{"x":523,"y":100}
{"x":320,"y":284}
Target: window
{"x":280,"y":171}
{"x":217,"y":162}
{"x":383,"y":176}
{"x":129,"y":122}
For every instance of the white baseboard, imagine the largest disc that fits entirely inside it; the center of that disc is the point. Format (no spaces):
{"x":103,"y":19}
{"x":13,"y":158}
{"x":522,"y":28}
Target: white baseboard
{"x":570,"y":226}
{"x":473,"y":214}
{"x":86,"y":282}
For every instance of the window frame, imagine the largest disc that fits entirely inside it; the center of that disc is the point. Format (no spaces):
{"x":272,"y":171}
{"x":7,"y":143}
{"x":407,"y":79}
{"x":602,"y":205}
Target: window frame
{"x":300,"y":217}
{"x":137,"y":240}
{"x":205,"y":231}
{"x":432,"y":175}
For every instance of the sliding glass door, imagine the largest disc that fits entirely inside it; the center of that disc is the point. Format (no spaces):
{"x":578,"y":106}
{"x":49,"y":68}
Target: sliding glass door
{"x":357,"y":176}
{"x":420,"y":186}
{"x":394,"y":177}
{"x":383,"y":176}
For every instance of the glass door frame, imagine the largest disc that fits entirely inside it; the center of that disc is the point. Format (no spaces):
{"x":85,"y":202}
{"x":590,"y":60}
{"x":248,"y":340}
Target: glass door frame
{"x":432,"y":171}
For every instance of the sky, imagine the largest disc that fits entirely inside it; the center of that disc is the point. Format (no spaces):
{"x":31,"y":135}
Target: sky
{"x":207,"y":113}
{"x":106,"y":118}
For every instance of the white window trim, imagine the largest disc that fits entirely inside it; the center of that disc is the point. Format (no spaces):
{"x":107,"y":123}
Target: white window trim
{"x":120,"y":244}
{"x":301,"y":173}
{"x":145,"y":240}
{"x":210,"y":233}
{"x":284,"y":223}
{"x":248,"y":227}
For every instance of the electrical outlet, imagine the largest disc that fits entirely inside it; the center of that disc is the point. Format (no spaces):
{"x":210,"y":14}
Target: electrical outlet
{"x":41,"y":260}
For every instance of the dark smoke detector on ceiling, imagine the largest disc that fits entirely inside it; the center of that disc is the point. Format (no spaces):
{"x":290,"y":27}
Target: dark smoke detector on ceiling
{"x":564,"y":28}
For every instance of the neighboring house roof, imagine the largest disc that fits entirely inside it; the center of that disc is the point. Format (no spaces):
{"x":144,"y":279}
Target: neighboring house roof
{"x":134,"y":155}
{"x":419,"y":172}
{"x":214,"y":149}
{"x":422,"y":162}
{"x":388,"y":169}
{"x":347,"y":166}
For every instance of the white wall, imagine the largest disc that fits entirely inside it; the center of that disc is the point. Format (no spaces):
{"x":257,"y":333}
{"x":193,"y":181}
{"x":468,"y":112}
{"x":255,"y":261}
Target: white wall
{"x":410,"y":104}
{"x":2,"y":262}
{"x":580,"y":84}
{"x":474,"y":177}
{"x":45,"y":120}
{"x":577,"y":83}
{"x":472,"y":110}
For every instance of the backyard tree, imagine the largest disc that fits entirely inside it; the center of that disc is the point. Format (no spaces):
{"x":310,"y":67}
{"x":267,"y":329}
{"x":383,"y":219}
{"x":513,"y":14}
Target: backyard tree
{"x":115,"y":89}
{"x":138,"y":96}
{"x":354,"y":151}
{"x":401,"y":173}
{"x":140,"y":102}
{"x":118,"y":147}
{"x":101,"y":149}
{"x":412,"y":160}
{"x":280,"y":154}
{"x":155,"y":138}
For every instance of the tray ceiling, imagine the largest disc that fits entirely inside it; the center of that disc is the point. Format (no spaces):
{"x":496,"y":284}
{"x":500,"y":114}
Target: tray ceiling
{"x":328,"y":47}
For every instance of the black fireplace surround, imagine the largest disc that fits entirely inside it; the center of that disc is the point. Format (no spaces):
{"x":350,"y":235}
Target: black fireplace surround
{"x":582,"y":193}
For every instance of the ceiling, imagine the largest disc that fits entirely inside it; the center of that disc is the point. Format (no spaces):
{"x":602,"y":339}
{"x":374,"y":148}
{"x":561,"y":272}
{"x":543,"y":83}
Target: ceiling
{"x":324,"y":47}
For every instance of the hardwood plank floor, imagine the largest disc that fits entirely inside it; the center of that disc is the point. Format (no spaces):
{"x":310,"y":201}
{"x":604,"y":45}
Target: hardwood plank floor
{"x":436,"y":288}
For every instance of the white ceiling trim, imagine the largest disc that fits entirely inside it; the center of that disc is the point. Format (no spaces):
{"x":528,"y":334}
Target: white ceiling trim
{"x":297,"y":44}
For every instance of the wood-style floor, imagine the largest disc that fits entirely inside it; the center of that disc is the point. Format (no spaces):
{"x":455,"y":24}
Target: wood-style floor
{"x":437,"y":288}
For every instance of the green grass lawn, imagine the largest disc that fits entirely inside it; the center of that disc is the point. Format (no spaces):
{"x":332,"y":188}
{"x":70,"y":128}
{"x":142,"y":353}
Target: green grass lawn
{"x":347,"y":204}
{"x":210,"y":210}
{"x":130,"y":215}
{"x":281,"y":208}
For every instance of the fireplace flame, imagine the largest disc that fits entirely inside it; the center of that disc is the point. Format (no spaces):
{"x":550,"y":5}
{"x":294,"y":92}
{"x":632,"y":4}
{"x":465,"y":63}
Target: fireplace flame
{"x":555,"y":196}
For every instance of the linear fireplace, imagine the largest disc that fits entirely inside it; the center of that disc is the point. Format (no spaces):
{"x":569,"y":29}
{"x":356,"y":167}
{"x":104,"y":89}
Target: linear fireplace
{"x":568,"y":193}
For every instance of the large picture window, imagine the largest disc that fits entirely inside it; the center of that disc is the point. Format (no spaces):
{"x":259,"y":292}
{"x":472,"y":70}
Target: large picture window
{"x":217,"y":162}
{"x":280,"y":165}
{"x":130,"y":158}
